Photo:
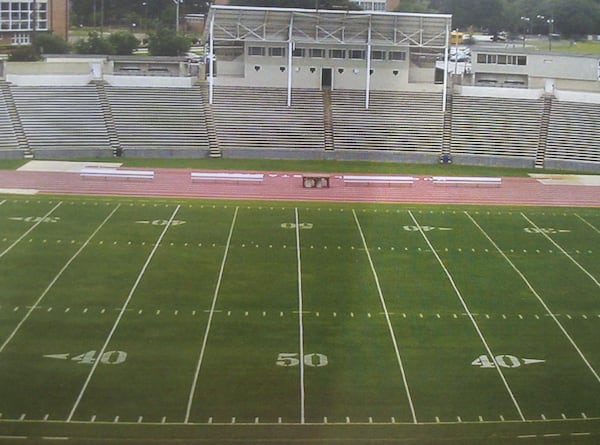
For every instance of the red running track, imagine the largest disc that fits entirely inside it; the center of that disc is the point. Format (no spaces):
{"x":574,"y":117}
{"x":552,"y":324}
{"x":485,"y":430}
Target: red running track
{"x":176,"y":183}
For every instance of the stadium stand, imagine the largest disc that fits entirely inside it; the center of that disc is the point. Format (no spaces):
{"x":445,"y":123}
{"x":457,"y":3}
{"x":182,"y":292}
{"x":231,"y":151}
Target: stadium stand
{"x":573,"y":134}
{"x":496,"y":127}
{"x":62,"y":121}
{"x":10,"y":146}
{"x":397,"y":121}
{"x":159,"y":122}
{"x":259,"y":119}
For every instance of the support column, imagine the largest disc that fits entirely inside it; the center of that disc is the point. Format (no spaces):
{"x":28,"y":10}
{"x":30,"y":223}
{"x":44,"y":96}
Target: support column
{"x":368,"y":81}
{"x":211,"y":60}
{"x":445,"y":92}
{"x":289,"y":67}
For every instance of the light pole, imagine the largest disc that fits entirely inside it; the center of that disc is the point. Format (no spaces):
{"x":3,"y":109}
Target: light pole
{"x":177,"y":2}
{"x":527,"y":28}
{"x":550,"y":23}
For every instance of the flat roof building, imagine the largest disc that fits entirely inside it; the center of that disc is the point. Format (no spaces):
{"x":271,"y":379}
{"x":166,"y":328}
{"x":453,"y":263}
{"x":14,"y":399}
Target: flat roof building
{"x":19,"y":20}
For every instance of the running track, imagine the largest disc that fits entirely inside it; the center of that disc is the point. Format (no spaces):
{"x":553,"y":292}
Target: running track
{"x":176,"y":183}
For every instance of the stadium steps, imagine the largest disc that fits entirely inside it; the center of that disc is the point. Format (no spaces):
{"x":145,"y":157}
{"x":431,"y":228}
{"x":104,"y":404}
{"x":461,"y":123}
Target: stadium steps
{"x":395,"y":121}
{"x":62,"y":121}
{"x":13,"y":135}
{"x":159,"y":121}
{"x":447,"y":130}
{"x":328,"y":120}
{"x":573,"y":132}
{"x":258,"y":118}
{"x":543,"y":139}
{"x":492,"y":126}
{"x":109,"y":120}
{"x":213,"y":140}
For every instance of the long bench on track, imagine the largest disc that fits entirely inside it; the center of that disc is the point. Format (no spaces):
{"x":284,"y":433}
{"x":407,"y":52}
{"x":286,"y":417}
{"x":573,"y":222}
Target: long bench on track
{"x":105,"y":173}
{"x":372,"y":179}
{"x":467,"y":180}
{"x":231,"y":177}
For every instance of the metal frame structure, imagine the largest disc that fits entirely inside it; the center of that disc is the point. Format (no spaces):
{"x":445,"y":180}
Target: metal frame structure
{"x":305,"y":26}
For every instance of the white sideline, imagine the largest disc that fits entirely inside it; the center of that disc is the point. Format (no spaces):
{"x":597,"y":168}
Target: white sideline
{"x":374,"y":179}
{"x":540,"y":299}
{"x":56,"y":278}
{"x":120,"y":316}
{"x":114,"y":173}
{"x":466,"y":180}
{"x":209,"y":322}
{"x":220,"y":176}
{"x":583,"y":269}
{"x":470,"y":315}
{"x":9,"y":248}
{"x":300,"y":318}
{"x":387,"y":317}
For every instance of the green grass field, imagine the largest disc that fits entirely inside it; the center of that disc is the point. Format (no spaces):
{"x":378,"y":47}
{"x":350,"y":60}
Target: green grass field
{"x":248,"y":322}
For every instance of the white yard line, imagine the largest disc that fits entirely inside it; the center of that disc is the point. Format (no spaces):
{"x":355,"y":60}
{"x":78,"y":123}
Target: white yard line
{"x":210,"y":317}
{"x":540,"y":299}
{"x":9,"y":248}
{"x":387,"y":317}
{"x":470,"y":315}
{"x":120,"y":316}
{"x":300,"y":318}
{"x":588,"y":223}
{"x":56,"y":278}
{"x":583,"y":269}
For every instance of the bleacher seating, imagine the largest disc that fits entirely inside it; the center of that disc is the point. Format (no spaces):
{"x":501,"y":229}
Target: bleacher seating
{"x":493,"y":126}
{"x":574,"y":132}
{"x":150,"y":119}
{"x":259,"y":118}
{"x":62,"y":121}
{"x":399,"y":121}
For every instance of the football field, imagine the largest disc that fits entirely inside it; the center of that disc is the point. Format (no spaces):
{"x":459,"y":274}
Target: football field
{"x":269,"y":322}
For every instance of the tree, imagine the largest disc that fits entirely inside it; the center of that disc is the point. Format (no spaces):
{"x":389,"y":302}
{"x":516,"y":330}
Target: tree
{"x":123,"y":43}
{"x":50,"y":44}
{"x":94,"y":45}
{"x":25,"y":53}
{"x":165,"y":42}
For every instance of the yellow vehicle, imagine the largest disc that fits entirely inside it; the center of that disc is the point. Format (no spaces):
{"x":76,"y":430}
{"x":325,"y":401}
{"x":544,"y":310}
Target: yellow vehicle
{"x":457,"y":38}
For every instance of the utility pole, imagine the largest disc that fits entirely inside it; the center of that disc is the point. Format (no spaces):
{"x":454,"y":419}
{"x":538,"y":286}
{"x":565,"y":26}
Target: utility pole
{"x":177,"y":2}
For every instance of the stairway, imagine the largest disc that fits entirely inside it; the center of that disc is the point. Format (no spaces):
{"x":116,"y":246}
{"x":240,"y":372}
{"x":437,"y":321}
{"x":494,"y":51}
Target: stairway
{"x":446,"y":154}
{"x":328,"y":120}
{"x":109,"y":120}
{"x":543,"y":138}
{"x":20,"y":136}
{"x":211,"y":131}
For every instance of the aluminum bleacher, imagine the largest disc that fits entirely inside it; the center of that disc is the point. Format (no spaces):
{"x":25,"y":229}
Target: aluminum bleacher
{"x":61,"y":121}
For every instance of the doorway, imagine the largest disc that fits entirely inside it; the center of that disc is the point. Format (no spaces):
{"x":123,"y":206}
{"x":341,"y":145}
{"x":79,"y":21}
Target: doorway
{"x":326,"y":78}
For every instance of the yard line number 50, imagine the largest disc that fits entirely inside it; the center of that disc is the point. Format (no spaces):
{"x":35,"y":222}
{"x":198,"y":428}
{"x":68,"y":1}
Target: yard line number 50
{"x":289,"y":359}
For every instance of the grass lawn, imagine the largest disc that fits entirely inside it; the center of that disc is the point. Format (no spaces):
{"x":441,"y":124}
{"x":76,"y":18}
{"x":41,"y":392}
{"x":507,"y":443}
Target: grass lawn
{"x":216,"y":321}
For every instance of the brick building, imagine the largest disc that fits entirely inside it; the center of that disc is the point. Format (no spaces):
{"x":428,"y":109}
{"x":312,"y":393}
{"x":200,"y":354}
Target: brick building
{"x":20,"y":19}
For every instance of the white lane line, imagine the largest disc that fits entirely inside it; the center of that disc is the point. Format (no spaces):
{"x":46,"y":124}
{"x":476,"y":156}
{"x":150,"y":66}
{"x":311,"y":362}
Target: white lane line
{"x":594,"y":228}
{"x":41,"y":220}
{"x":210,"y":317}
{"x":120,"y":316}
{"x":583,"y":269}
{"x":387,"y":317}
{"x":300,"y":318}
{"x":470,"y":315}
{"x":56,"y":278}
{"x":539,"y":298}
